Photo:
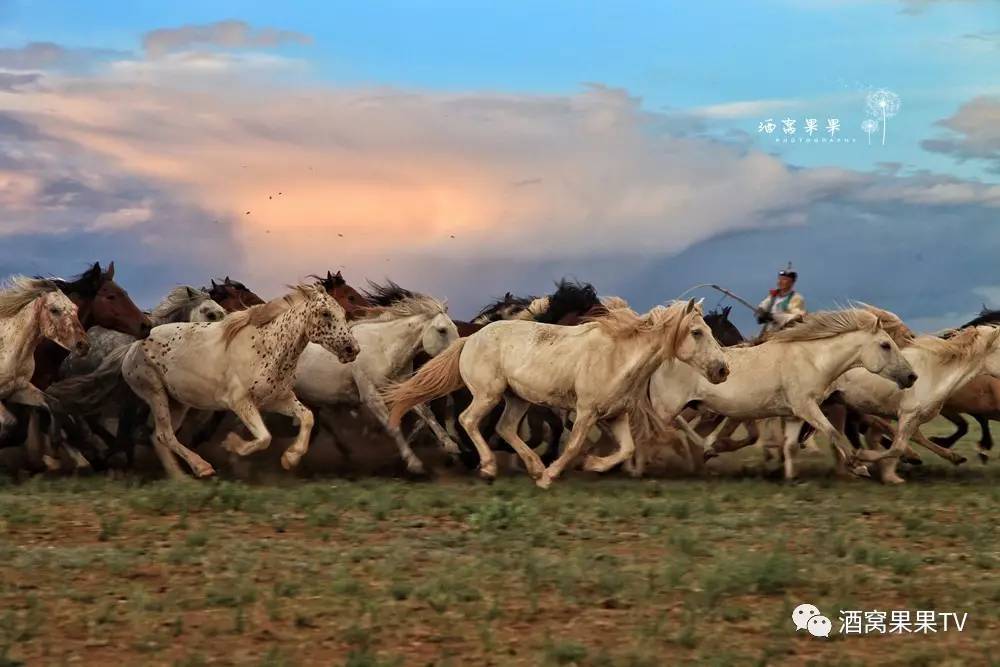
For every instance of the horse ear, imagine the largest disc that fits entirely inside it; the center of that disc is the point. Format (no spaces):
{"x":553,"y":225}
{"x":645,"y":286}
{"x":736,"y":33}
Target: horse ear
{"x":213,"y":283}
{"x":110,"y":273}
{"x":190,"y":292}
{"x":994,"y":336}
{"x":337,"y":275}
{"x":690,"y":306}
{"x":329,"y":276}
{"x":228,"y":281}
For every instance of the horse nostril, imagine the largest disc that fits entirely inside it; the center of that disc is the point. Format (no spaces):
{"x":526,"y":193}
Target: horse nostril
{"x":911,"y":378}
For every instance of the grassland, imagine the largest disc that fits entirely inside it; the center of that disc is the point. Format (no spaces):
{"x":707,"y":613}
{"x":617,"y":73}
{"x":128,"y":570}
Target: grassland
{"x":594,"y":572}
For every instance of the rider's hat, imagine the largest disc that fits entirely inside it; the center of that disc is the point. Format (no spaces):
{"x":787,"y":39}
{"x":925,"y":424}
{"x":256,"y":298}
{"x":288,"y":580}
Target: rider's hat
{"x":787,"y":271}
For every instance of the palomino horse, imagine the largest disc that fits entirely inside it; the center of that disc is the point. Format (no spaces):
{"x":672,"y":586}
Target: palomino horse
{"x":601,"y":369}
{"x":245,"y":364}
{"x":389,"y":343}
{"x":99,"y":301}
{"x":232,"y":295}
{"x":32,"y":310}
{"x":788,"y":375}
{"x":944,"y":365}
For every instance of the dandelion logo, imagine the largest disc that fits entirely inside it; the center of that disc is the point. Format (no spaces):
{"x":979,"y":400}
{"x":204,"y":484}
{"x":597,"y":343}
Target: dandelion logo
{"x":882,"y":104}
{"x":869,"y":125}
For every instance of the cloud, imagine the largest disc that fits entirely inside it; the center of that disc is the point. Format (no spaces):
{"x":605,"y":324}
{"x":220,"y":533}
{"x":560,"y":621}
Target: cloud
{"x":990,"y":38}
{"x":10,"y":82}
{"x":226,"y":163}
{"x":914,"y":7}
{"x":48,"y":55}
{"x":746,"y":109}
{"x":974,"y":133}
{"x":230,"y":34}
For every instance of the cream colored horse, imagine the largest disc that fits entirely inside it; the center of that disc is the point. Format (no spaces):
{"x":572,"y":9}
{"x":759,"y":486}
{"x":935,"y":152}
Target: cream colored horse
{"x":788,"y":375}
{"x":944,"y":365}
{"x":246,"y":364}
{"x":389,"y":342}
{"x":600,"y":369}
{"x":32,"y":309}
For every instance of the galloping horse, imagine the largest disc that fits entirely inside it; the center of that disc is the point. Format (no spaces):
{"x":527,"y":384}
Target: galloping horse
{"x":33,"y":310}
{"x":601,"y":369}
{"x":100,"y":301}
{"x":354,"y":304}
{"x":232,"y":295}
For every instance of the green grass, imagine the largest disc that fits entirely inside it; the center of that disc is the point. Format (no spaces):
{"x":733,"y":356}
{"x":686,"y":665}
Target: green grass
{"x":594,"y":572}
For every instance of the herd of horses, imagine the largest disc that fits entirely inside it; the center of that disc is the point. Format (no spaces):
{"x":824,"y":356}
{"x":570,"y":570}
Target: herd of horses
{"x":86,"y":376}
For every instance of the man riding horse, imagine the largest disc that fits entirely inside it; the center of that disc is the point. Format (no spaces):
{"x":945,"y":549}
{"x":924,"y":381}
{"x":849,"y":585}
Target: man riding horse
{"x":783,"y":304}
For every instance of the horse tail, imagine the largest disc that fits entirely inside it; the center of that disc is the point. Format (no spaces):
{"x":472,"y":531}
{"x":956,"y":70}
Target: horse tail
{"x":438,"y":377}
{"x":86,"y":394}
{"x":647,"y":426}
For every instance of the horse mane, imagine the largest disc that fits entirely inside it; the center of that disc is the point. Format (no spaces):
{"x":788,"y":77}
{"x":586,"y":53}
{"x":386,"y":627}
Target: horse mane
{"x":985,"y":316}
{"x":489,"y":312}
{"x":570,"y":297}
{"x":178,"y":302}
{"x":891,"y":323}
{"x":613,"y":302}
{"x":263,"y":313}
{"x":85,"y":284}
{"x":624,"y":323}
{"x":535,"y":309}
{"x":827,"y":324}
{"x":19,"y":291}
{"x":410,"y":306}
{"x":964,"y":344}
{"x":388,"y":294}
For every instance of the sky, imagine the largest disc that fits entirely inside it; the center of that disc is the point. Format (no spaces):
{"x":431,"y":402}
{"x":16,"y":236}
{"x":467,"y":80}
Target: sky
{"x":470,"y":149}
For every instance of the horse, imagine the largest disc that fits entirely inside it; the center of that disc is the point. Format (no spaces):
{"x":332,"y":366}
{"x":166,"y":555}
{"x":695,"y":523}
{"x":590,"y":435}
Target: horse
{"x":944,"y":365}
{"x":232,"y":295}
{"x":33,"y":310}
{"x":355,"y":305}
{"x":181,"y":304}
{"x":504,"y":308}
{"x":245,"y":364}
{"x":601,"y":369}
{"x":980,"y":399}
{"x":100,"y":301}
{"x":407,"y":324}
{"x":788,"y":375}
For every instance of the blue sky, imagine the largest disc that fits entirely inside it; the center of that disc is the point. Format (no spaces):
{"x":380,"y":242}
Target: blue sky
{"x":691,"y":77}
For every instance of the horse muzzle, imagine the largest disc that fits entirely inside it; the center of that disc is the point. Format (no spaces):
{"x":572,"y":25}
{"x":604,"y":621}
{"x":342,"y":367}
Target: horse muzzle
{"x":718,"y":373}
{"x":348,"y":353}
{"x":907,"y":381}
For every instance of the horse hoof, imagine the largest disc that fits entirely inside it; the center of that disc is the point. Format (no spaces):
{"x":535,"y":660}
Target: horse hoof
{"x":912,"y":461}
{"x":960,"y":460}
{"x":984,"y":458}
{"x":289,"y":462}
{"x":543,"y":482}
{"x":860,"y":471}
{"x":207,"y":471}
{"x":709,"y":454}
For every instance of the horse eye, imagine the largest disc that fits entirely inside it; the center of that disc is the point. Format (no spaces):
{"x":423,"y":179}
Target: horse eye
{"x":884,"y":345}
{"x":55,"y":311}
{"x":696,"y":333}
{"x":351,"y":298}
{"x":111,"y":297}
{"x":327,"y":314}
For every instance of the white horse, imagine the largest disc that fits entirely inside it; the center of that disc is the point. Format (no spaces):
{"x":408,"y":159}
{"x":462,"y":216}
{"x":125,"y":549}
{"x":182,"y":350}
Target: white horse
{"x":32,"y":309}
{"x":601,"y":369}
{"x":389,"y":342}
{"x":944,"y":365}
{"x":788,"y":375}
{"x":245,"y":363}
{"x":182,"y":304}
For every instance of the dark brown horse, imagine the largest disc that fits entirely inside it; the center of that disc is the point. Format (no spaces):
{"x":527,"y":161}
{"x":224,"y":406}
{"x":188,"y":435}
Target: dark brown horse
{"x":100,"y":302}
{"x":232,"y":295}
{"x":355,"y":305}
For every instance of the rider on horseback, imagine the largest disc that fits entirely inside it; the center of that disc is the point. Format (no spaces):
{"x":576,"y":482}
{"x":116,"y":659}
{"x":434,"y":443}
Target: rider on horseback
{"x":783,"y":304}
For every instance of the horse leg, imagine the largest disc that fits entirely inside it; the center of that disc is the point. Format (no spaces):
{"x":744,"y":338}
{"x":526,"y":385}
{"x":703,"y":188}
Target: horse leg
{"x":33,"y":396}
{"x":507,"y":427}
{"x":290,"y":406}
{"x":790,"y":447}
{"x":480,"y":406}
{"x":888,"y":460}
{"x":7,"y":419}
{"x":986,"y":440}
{"x":947,"y":454}
{"x":260,"y":437}
{"x":585,"y":420}
{"x":329,"y":425}
{"x":370,"y":397}
{"x":811,"y":413}
{"x":621,"y":431}
{"x":961,"y":428}
{"x":147,"y":385}
{"x":425,"y":414}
